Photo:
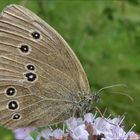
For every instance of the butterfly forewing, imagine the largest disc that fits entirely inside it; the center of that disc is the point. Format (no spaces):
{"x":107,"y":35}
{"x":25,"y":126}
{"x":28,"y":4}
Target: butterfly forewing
{"x":40,"y":76}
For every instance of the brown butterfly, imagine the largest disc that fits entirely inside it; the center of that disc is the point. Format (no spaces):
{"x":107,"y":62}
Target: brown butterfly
{"x":41,"y":80}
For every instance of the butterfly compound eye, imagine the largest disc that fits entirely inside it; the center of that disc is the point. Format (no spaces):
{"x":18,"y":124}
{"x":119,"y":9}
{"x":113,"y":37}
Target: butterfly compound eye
{"x":16,"y":116}
{"x":35,"y":35}
{"x":10,"y":91}
{"x":13,"y":105}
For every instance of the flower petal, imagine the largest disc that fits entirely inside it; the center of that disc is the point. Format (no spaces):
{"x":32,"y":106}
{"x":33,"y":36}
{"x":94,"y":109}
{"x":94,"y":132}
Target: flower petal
{"x":58,"y":133}
{"x":88,"y":117}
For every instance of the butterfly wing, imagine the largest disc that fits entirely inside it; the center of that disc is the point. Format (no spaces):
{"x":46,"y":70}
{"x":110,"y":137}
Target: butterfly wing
{"x":40,"y":76}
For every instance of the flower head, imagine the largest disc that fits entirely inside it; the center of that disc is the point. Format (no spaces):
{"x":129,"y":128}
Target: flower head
{"x":23,"y":133}
{"x":88,"y":128}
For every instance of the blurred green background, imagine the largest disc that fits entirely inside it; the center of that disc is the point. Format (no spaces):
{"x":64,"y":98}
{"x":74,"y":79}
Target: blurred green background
{"x":105,"y":35}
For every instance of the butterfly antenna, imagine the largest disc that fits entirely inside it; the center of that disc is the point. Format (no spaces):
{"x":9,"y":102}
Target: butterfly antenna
{"x":112,"y":86}
{"x":125,"y":94}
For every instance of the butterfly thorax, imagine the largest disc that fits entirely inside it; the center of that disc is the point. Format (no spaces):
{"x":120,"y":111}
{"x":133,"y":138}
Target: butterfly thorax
{"x":84,"y":105}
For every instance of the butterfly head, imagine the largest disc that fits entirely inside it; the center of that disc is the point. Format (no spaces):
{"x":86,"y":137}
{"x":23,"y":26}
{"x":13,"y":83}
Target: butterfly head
{"x":84,"y":105}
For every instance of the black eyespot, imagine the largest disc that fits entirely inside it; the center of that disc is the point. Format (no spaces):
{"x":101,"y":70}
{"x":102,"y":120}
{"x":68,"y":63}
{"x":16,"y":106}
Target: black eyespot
{"x":10,"y":91}
{"x":35,"y":35}
{"x":12,"y":105}
{"x":16,"y":116}
{"x":24,"y":48}
{"x":30,"y":67}
{"x":30,"y":76}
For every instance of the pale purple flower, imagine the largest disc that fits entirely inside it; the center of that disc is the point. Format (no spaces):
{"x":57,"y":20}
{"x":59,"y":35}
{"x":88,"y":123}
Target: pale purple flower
{"x":22,"y":133}
{"x":71,"y":123}
{"x":101,"y":126}
{"x":133,"y":136}
{"x":83,"y":129}
{"x":79,"y":133}
{"x":58,"y":133}
{"x":110,"y":128}
{"x":45,"y":134}
{"x":89,"y":117}
{"x":79,"y":121}
{"x":115,"y":133}
{"x":28,"y":138}
{"x":116,"y":121}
